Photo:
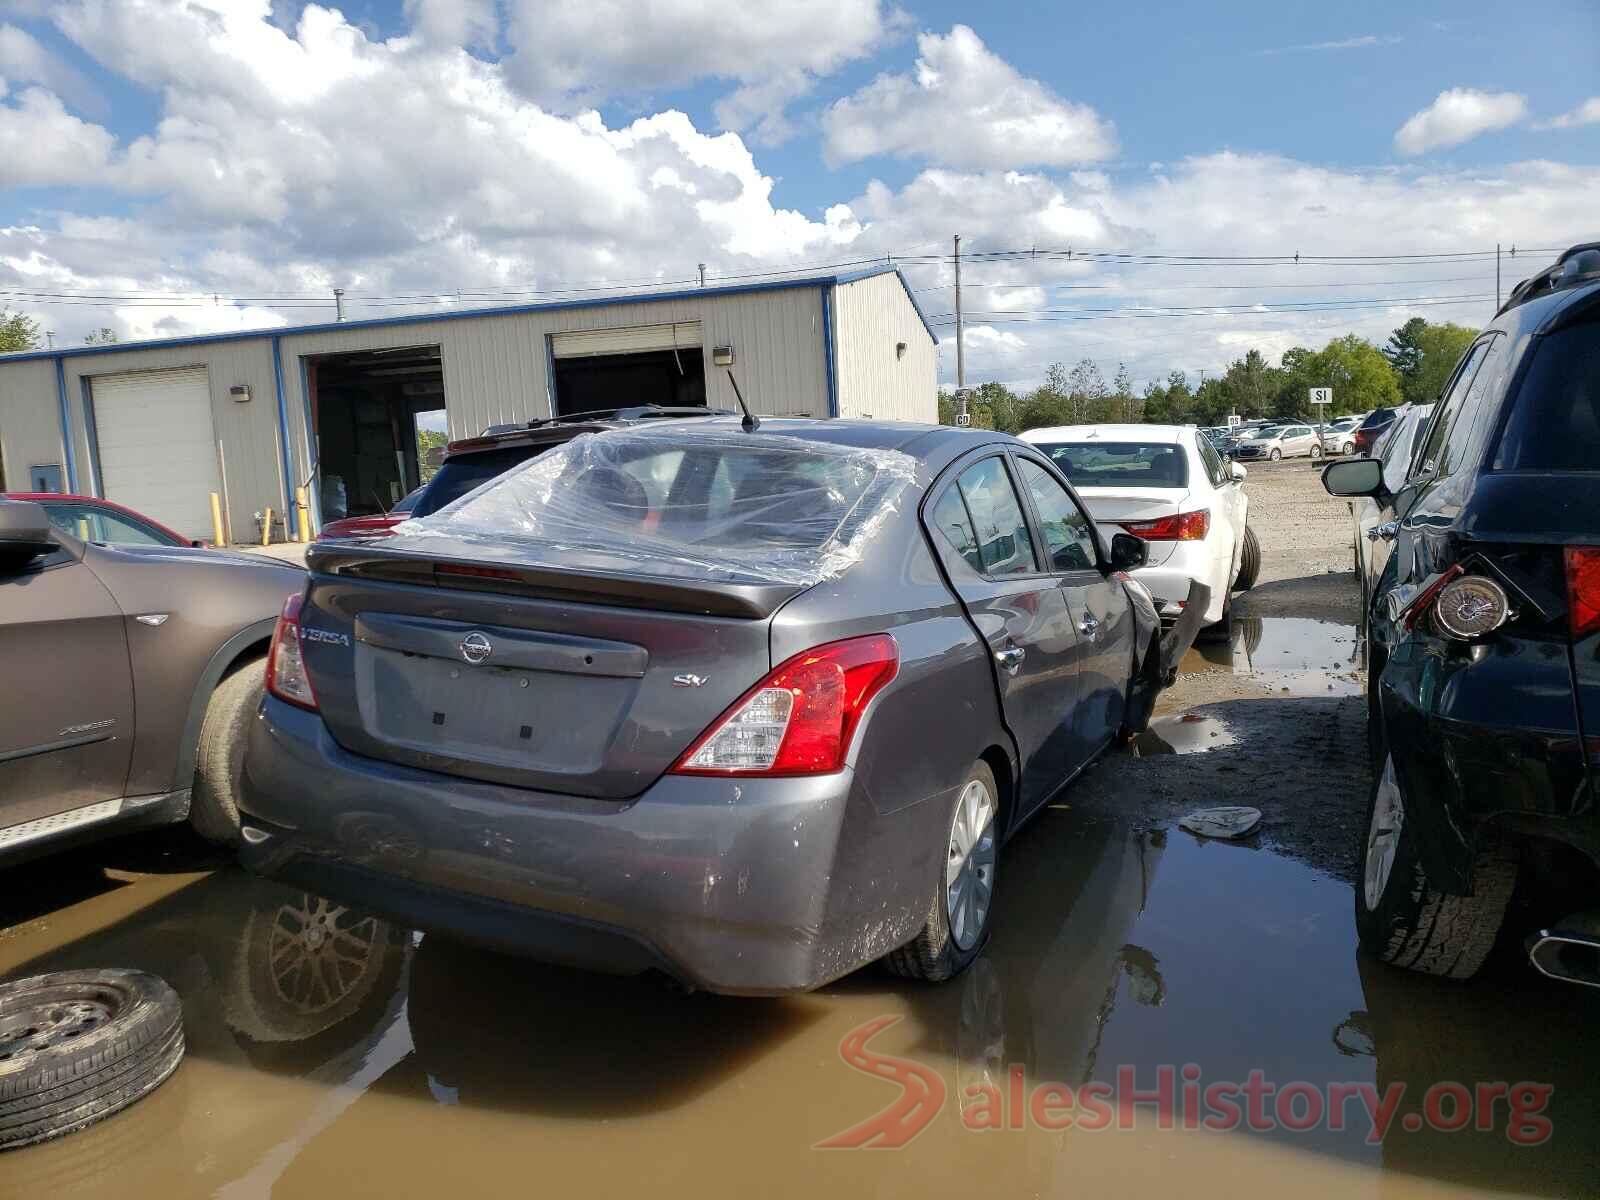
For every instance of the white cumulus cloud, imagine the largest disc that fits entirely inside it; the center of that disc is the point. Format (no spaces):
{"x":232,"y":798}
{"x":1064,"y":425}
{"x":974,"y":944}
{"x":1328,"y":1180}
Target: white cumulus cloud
{"x":1587,"y":113}
{"x":1459,"y":115}
{"x":964,"y":106}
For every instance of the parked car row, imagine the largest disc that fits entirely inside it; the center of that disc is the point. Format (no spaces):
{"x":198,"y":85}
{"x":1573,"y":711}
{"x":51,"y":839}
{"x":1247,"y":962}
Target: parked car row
{"x":659,"y":696}
{"x":1478,"y":544}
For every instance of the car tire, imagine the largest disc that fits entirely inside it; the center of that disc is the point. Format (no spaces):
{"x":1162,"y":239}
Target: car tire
{"x":1348,"y":448}
{"x":219,"y":759}
{"x":1401,"y":917}
{"x":956,"y":931}
{"x":1249,"y":562}
{"x":1316,"y":453}
{"x":1275,"y":454}
{"x":102,"y":1040}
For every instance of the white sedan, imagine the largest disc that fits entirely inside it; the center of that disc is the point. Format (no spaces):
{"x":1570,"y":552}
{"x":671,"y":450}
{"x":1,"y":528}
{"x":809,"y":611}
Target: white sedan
{"x":1167,"y":485}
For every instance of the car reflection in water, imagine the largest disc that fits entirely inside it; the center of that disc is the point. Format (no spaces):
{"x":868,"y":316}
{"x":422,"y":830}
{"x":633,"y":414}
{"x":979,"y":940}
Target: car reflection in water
{"x":334,"y":1054}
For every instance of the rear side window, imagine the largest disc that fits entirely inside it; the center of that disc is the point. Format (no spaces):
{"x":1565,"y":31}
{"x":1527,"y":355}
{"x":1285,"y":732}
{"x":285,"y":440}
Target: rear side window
{"x":1213,"y":462}
{"x":1555,"y":419}
{"x":1444,"y":416}
{"x":1069,"y":538}
{"x":955,"y":526}
{"x":1120,"y":464}
{"x":1004,"y":547}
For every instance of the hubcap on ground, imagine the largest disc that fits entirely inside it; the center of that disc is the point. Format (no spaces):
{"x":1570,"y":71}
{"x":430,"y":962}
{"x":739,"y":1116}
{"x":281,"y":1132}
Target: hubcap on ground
{"x":55,"y":1016}
{"x":969,"y":869}
{"x":1383,"y":838}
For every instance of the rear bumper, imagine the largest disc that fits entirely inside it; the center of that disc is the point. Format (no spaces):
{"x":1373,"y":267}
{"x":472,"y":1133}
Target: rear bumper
{"x":729,"y":886}
{"x":1169,"y":581}
{"x":1486,"y":741}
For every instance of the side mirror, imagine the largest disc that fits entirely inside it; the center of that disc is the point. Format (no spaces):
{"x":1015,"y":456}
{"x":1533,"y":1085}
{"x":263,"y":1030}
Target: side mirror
{"x":1236,"y":472}
{"x":1128,"y":553}
{"x":1353,"y":477}
{"x":24,"y":532}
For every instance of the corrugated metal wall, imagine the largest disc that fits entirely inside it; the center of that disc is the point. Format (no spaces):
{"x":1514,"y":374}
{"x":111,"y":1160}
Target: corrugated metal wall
{"x":870,"y":317}
{"x":495,"y":370}
{"x":30,"y":430}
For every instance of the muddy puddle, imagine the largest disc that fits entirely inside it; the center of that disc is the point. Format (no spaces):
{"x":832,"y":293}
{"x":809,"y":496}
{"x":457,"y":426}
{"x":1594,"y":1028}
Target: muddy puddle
{"x":332,"y":1054}
{"x":1293,"y":656}
{"x":1184,"y":733}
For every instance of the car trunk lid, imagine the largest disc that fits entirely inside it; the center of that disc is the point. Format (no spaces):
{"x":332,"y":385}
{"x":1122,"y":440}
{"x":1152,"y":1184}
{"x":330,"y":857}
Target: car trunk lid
{"x":579,"y":682}
{"x":1114,"y":507}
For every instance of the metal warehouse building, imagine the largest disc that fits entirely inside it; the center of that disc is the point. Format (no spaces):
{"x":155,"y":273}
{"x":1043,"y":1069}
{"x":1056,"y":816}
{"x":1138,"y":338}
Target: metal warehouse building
{"x":334,"y":408}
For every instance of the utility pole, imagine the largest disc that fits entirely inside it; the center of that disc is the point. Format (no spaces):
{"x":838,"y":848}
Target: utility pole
{"x":961,"y":349}
{"x":1497,"y":277}
{"x":338,"y":304}
{"x":702,"y":274}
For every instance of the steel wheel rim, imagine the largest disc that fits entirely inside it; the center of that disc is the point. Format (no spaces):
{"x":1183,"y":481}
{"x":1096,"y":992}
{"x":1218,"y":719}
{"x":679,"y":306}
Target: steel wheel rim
{"x":969,"y":865}
{"x":1383,"y":835}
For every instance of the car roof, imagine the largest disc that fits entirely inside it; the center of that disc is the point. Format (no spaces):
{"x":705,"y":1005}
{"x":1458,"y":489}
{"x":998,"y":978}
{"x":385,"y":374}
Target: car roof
{"x":1107,"y":433}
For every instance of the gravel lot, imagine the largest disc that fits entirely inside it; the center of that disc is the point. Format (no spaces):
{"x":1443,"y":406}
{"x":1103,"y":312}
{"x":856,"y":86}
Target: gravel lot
{"x":1277,"y":714}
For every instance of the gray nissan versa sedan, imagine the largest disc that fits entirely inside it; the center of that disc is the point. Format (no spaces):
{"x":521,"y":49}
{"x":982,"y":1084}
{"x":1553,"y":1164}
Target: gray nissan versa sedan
{"x":753,"y":707}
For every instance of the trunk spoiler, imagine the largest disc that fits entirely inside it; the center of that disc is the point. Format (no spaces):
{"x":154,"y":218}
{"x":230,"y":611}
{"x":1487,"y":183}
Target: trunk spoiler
{"x":755,"y":601}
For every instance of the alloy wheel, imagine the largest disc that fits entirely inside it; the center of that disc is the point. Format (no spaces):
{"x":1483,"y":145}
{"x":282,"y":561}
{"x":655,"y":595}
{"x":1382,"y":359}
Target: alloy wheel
{"x":1383,"y":836}
{"x":319,"y":951}
{"x":970,"y":864}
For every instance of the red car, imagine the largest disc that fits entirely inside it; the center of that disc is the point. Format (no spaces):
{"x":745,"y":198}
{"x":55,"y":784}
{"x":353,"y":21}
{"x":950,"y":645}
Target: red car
{"x":381,"y":525}
{"x":92,"y":519}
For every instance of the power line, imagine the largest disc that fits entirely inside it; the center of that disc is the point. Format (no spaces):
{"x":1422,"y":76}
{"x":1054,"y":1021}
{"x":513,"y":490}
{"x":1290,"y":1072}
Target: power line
{"x":1023,"y":318}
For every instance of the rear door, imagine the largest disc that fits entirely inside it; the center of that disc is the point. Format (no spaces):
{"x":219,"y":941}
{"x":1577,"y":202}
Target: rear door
{"x":1020,"y":610}
{"x":66,"y":717}
{"x":1101,"y":613}
{"x":1229,"y":509}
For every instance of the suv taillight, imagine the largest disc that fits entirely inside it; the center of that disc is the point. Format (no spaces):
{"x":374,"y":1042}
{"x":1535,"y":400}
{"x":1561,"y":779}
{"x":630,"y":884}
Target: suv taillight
{"x":801,"y":718}
{"x":1180,"y":527}
{"x":1583,"y":589}
{"x":286,"y":665}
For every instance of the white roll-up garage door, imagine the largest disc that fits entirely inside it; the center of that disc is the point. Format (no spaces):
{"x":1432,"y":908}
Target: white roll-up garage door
{"x":155,"y":446}
{"x":588,"y":343}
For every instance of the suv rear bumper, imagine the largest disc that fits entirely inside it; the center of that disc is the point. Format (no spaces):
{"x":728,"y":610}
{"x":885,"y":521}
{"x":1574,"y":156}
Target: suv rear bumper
{"x":728,"y":885}
{"x":1491,"y":741}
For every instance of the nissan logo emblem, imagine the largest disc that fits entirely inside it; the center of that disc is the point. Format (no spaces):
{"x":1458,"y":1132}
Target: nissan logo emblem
{"x":475,"y":648}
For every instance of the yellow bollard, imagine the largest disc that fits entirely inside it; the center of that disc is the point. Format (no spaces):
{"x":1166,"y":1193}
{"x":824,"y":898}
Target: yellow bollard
{"x":266,"y":528}
{"x":302,"y":515}
{"x":219,"y":535}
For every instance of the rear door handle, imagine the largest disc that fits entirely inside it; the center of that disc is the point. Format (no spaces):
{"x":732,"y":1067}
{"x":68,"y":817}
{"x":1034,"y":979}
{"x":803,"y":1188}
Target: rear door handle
{"x":1010,"y":658}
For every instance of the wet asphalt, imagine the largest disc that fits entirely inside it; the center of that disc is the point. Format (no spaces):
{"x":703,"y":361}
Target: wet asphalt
{"x":334,"y":1054}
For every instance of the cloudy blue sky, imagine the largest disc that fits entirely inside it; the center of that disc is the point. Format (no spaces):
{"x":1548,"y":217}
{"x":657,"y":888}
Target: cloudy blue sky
{"x":168,"y":166}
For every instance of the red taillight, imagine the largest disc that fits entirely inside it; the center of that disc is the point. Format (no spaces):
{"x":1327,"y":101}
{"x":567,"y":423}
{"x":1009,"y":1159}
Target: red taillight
{"x":801,"y":718}
{"x":1583,"y":589}
{"x":1420,"y":603}
{"x":1179,"y":527}
{"x":464,"y":572}
{"x":286,"y":665}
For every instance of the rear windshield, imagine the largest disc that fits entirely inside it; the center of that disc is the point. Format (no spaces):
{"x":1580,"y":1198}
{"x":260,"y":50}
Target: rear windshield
{"x":458,"y":476}
{"x":1121,"y":464}
{"x":1555,"y":421}
{"x":712,"y":504}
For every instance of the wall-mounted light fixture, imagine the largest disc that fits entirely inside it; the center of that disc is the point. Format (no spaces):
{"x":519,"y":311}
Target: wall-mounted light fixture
{"x":722,"y":356}
{"x":240,"y":393}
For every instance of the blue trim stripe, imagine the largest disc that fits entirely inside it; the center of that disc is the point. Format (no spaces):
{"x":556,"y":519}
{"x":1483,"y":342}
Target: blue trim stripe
{"x":472,"y":313}
{"x":283,"y":431}
{"x":550,"y":373}
{"x":314,"y":484}
{"x":66,"y":425}
{"x":827,"y":350}
{"x":91,"y":430}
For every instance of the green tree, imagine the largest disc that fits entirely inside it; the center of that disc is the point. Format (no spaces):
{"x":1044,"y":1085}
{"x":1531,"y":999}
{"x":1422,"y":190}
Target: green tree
{"x":1358,"y":373}
{"x":1250,"y":384}
{"x":101,"y":337}
{"x":1440,"y":348}
{"x":17,"y":332}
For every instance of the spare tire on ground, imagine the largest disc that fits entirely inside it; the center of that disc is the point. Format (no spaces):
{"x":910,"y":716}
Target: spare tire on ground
{"x":77,"y":1046}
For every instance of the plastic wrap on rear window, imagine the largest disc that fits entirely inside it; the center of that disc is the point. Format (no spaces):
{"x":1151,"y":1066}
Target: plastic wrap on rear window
{"x":709,"y":504}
